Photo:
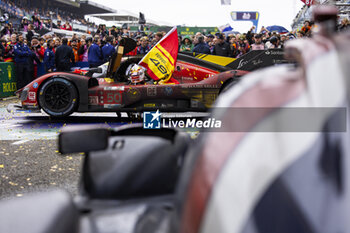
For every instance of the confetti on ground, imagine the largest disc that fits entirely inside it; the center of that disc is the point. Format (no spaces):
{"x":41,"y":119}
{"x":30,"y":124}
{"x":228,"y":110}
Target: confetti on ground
{"x":13,"y":183}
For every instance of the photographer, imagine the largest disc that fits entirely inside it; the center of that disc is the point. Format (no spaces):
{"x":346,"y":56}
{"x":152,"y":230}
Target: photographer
{"x":83,"y":50}
{"x":7,"y":30}
{"x":33,"y":60}
{"x":37,"y":48}
{"x":9,"y":48}
{"x":114,"y":31}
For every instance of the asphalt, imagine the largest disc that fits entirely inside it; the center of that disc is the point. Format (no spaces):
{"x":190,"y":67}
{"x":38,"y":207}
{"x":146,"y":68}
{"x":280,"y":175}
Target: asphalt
{"x":29,"y":158}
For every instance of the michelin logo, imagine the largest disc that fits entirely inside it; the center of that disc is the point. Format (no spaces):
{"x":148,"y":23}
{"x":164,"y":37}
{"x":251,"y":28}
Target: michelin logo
{"x":151,"y":120}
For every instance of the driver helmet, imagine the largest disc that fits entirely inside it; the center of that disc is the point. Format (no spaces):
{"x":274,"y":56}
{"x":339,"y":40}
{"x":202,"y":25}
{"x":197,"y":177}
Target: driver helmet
{"x":137,"y":74}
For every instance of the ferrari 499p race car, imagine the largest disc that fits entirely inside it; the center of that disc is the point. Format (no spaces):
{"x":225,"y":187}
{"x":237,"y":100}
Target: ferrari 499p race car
{"x":272,"y":181}
{"x":195,"y":84}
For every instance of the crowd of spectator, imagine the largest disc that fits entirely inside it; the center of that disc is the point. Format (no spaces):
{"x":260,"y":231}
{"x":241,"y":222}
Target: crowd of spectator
{"x":42,"y":17}
{"x":58,"y":53}
{"x":236,"y":45}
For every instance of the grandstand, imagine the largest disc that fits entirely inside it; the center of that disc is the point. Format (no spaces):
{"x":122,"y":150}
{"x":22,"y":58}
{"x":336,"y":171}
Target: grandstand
{"x":64,"y":10}
{"x":74,"y":12}
{"x":306,"y":12}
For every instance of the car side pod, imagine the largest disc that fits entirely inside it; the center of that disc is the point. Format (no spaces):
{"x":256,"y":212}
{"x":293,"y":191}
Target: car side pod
{"x":87,"y":138}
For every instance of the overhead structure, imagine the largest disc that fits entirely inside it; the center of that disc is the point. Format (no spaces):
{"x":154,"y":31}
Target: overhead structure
{"x":246,"y":16}
{"x":89,"y":7}
{"x":120,"y":17}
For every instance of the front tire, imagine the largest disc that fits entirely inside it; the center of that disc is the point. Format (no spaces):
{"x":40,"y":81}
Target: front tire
{"x":58,"y":97}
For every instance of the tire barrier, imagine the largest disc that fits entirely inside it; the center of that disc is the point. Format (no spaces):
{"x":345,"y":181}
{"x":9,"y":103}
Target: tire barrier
{"x":8,"y":79}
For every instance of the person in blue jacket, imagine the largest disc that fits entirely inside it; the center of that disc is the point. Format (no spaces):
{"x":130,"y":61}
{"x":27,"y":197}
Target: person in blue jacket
{"x":201,"y":47}
{"x":107,"y":49}
{"x":95,"y":54}
{"x":22,"y":54}
{"x":49,"y":56}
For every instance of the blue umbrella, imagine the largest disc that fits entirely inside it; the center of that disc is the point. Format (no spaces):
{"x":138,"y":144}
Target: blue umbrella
{"x":276,"y":28}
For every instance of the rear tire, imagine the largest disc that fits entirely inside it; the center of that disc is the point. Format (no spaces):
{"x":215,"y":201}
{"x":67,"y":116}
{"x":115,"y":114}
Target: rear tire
{"x":58,"y":97}
{"x":228,"y":84}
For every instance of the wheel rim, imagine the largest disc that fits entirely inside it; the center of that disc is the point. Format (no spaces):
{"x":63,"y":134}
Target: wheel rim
{"x":57,"y":97}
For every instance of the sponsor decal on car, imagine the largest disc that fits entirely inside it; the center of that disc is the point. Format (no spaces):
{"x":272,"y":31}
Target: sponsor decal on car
{"x":168,"y":91}
{"x":35,"y":85}
{"x":32,"y":95}
{"x":200,"y":86}
{"x":133,"y":94}
{"x":113,"y":97}
{"x":93,"y":100}
{"x":110,"y":106}
{"x":109,"y":80}
{"x":120,"y":88}
{"x":151,"y":91}
{"x":149,"y":105}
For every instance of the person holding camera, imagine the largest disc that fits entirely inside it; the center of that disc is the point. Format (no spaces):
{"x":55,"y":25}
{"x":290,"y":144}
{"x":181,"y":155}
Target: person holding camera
{"x":83,"y":50}
{"x":7,"y":30}
{"x":9,"y":48}
{"x":33,"y":60}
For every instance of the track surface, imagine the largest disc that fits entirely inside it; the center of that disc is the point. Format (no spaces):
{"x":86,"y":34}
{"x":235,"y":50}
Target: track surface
{"x":29,"y":160}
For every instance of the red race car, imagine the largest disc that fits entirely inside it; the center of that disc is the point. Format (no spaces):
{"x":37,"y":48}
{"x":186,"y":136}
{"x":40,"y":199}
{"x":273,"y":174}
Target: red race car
{"x":194,"y":86}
